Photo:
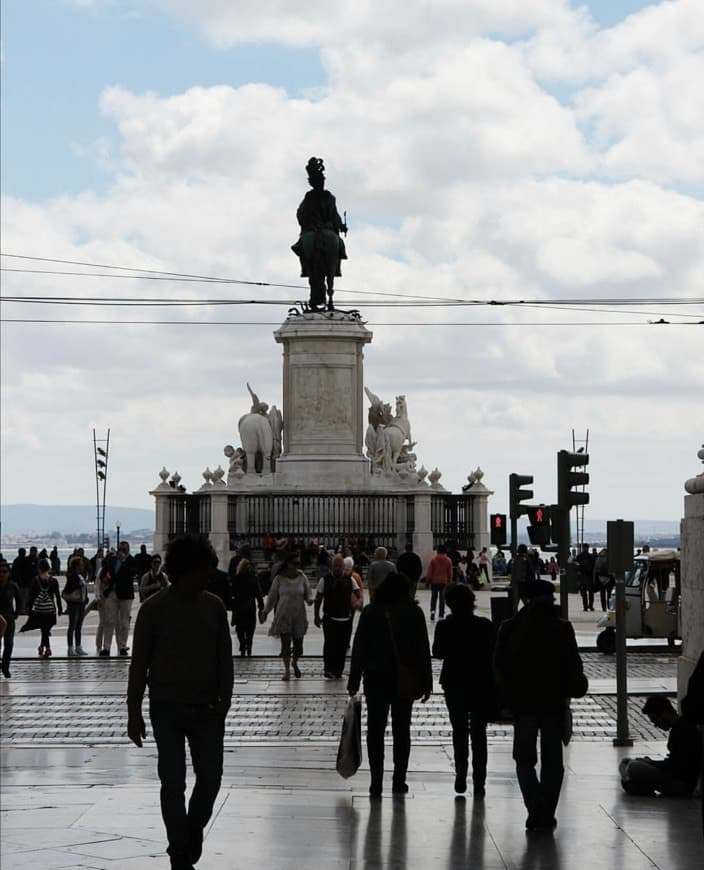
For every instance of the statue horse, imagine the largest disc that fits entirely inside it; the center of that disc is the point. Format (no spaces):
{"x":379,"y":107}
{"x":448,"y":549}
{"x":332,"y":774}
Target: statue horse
{"x":257,"y":442}
{"x":396,"y":432}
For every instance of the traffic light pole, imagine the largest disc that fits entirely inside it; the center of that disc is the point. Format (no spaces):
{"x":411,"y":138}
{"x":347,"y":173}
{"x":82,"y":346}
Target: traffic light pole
{"x":561,"y":532}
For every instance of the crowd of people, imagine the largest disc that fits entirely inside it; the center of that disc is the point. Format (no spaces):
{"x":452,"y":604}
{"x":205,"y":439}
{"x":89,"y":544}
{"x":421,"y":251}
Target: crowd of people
{"x":526,"y":671}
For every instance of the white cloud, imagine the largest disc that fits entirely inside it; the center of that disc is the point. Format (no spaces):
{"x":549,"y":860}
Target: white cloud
{"x":462,"y":175}
{"x":385,"y":22}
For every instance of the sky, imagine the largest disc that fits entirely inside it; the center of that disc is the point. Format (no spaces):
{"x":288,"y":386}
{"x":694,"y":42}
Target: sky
{"x":538,"y":150}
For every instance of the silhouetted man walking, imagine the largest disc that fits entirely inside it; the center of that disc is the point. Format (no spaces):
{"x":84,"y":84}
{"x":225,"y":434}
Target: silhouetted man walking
{"x":183,"y":651}
{"x":538,"y":669}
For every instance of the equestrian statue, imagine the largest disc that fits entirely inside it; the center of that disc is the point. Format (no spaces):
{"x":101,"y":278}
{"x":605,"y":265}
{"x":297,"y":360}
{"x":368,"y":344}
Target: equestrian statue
{"x":320,"y":246}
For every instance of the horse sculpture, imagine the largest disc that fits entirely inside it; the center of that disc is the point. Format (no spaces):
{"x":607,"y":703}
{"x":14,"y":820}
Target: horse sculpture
{"x":319,"y":247}
{"x":396,"y":432}
{"x":260,"y":434}
{"x":386,"y":435}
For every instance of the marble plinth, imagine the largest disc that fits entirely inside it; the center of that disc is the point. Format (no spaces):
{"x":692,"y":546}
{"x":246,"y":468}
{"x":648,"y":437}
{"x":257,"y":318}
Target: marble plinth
{"x":323,"y":406}
{"x":692,"y":568}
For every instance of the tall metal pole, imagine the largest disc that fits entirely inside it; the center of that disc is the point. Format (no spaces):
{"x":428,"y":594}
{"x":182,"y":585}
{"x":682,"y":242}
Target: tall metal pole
{"x":100,"y":459}
{"x":619,"y":548}
{"x":561,"y":533}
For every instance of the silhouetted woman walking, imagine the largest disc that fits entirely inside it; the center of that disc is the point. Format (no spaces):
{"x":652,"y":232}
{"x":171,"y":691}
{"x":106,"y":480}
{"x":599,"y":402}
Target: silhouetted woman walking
{"x":391,"y":652}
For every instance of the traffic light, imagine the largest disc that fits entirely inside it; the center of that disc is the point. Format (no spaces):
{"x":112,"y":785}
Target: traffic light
{"x":566,"y":479}
{"x":539,"y":524}
{"x":498,"y":529}
{"x":517,"y":495}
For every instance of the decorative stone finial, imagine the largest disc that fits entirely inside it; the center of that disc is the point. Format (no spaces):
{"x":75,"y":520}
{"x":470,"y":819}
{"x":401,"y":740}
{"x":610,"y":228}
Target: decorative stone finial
{"x":434,"y":476}
{"x":217,"y":476}
{"x":695,"y":485}
{"x":164,"y":474}
{"x":208,"y":478}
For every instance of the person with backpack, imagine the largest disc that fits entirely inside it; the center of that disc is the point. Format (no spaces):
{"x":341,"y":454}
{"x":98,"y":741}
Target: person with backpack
{"x":44,"y":603}
{"x":336,"y":591}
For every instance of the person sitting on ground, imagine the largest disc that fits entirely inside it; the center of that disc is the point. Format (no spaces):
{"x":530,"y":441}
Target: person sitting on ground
{"x":677,"y":774}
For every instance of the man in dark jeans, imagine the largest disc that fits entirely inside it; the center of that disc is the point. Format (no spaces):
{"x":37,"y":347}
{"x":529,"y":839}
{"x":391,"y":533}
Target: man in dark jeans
{"x":182,"y":649}
{"x":538,"y":669}
{"x":335,"y":592}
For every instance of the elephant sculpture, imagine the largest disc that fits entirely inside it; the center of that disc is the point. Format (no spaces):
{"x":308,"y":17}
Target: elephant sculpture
{"x":257,"y":437}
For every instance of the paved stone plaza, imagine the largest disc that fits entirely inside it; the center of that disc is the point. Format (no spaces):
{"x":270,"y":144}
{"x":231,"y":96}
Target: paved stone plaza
{"x":76,"y":794}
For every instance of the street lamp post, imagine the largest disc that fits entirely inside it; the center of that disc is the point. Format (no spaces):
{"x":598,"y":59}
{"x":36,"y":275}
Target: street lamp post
{"x":117,"y":530}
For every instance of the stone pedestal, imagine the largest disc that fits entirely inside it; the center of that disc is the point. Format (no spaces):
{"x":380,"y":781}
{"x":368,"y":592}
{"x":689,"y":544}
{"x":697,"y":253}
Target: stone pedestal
{"x":323,"y":407}
{"x":219,"y":535}
{"x":692,"y":568}
{"x":423,"y":535}
{"x":162,"y":495}
{"x":480,"y":516}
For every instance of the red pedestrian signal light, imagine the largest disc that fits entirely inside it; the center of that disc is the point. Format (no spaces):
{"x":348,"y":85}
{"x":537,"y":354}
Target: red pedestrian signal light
{"x":497,"y":525}
{"x":539,"y":529}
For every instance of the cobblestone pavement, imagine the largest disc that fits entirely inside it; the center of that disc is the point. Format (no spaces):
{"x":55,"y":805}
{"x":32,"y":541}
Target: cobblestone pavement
{"x":96,"y":714}
{"x":656,"y":665}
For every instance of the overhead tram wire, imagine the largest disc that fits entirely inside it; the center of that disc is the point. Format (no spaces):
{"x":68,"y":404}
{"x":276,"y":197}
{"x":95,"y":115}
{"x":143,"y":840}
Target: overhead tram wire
{"x":185,"y":276}
{"x":593,"y":305}
{"x":480,"y":323}
{"x":164,"y":275}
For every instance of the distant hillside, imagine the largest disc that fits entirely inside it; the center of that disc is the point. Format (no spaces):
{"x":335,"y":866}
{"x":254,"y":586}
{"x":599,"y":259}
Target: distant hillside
{"x":43,"y":519}
{"x":665,"y":532}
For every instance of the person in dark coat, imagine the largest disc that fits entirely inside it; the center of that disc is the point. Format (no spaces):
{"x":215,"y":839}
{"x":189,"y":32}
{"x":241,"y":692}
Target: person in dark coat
{"x":538,"y":668}
{"x":693,"y":707}
{"x":9,"y":608}
{"x":75,"y":594}
{"x":410,"y":564}
{"x":23,"y":574}
{"x":465,"y":643}
{"x":391,"y":632}
{"x":182,"y":650}
{"x":247,"y":600}
{"x":219,"y":584}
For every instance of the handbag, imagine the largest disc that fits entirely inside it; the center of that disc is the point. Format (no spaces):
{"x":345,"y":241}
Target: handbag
{"x":75,"y":596}
{"x":410,"y":681}
{"x":349,"y":752}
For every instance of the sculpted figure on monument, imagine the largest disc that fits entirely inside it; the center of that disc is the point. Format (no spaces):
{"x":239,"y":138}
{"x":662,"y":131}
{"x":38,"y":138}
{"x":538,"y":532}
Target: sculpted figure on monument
{"x":260,"y":433}
{"x":388,"y":438}
{"x":319,"y":247}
